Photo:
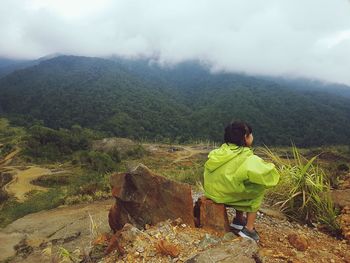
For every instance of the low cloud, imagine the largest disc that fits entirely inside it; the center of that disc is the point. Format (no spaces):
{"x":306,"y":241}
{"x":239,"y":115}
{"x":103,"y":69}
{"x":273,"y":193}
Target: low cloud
{"x":291,"y":38}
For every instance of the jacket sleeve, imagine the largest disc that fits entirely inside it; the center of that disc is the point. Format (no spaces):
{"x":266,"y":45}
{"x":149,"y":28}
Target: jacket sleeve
{"x":261,"y":172}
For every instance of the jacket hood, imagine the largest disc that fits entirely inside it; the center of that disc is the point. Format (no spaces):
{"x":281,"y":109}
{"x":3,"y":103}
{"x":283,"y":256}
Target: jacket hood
{"x":222,"y":155}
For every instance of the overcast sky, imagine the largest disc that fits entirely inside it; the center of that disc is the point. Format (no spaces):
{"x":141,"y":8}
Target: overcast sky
{"x":303,"y":38}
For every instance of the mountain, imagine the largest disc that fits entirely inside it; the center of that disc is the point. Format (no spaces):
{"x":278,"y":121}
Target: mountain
{"x":7,"y":66}
{"x":140,"y":99}
{"x":313,"y":85}
{"x":92,"y":92}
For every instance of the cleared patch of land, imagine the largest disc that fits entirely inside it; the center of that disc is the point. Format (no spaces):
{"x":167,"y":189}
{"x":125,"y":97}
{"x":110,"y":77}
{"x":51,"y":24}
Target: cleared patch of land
{"x":21,"y":184}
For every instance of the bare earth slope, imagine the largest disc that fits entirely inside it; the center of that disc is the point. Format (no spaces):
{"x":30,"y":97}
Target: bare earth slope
{"x":21,"y":181}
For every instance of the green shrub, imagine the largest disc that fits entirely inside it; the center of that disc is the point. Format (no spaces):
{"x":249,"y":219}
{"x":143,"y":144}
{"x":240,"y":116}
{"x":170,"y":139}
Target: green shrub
{"x":77,"y":199}
{"x":10,"y":134}
{"x":89,"y":183}
{"x":115,"y":155}
{"x":53,"y":180}
{"x":86,"y":198}
{"x":136,"y":152}
{"x":90,"y":186}
{"x":97,"y":161}
{"x":303,"y":192}
{"x":50,"y":145}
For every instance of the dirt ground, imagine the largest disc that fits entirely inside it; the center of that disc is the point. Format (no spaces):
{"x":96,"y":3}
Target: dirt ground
{"x":274,"y":230}
{"x":22,"y":177}
{"x":276,"y":244}
{"x":21,"y":184}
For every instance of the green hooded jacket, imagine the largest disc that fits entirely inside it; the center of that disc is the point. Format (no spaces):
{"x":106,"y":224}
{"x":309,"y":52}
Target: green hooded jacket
{"x":236,"y":177}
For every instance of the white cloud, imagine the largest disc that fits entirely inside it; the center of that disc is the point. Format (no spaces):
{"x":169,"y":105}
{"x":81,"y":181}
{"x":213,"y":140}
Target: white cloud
{"x":334,"y":40}
{"x":275,"y":37}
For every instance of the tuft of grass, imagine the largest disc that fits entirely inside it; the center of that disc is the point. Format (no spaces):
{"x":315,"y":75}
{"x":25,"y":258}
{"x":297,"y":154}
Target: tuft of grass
{"x":303,"y":193}
{"x":66,"y":256}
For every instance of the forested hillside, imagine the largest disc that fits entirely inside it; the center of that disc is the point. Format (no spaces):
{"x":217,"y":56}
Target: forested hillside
{"x":138,"y":99}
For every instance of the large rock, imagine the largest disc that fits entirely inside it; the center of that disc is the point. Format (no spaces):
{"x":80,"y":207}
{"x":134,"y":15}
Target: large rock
{"x":298,"y":241}
{"x":69,"y":227}
{"x":8,"y":243}
{"x":344,"y":220}
{"x":145,"y":198}
{"x":210,"y":215}
{"x":341,"y":198}
{"x":242,"y":250}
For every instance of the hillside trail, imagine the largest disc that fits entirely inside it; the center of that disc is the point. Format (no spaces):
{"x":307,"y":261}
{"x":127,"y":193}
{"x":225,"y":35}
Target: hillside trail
{"x":187,"y":152}
{"x":179,"y":153}
{"x":8,"y":158}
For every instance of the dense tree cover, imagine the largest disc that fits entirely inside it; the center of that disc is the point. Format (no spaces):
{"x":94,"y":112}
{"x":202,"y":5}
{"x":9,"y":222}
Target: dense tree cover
{"x":8,"y":66}
{"x":44,"y":144}
{"x":93,"y":93}
{"x":134,"y":99}
{"x":48,"y":144}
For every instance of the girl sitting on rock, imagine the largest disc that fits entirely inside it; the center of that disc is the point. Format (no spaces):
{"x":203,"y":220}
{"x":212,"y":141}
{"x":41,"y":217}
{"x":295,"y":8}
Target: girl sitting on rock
{"x":236,"y":177}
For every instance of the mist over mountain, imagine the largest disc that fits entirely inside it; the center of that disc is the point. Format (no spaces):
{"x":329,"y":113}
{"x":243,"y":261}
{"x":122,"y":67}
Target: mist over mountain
{"x":183,"y":102}
{"x":8,"y":66}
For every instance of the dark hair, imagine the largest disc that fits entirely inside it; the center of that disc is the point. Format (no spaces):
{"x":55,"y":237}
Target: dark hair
{"x":235,"y":132}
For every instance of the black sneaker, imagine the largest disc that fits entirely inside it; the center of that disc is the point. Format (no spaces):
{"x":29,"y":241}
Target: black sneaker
{"x":237,"y":224}
{"x":253,"y":235}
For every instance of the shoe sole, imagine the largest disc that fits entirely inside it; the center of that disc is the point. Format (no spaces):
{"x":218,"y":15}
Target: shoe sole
{"x":240,"y":233}
{"x":236,"y":227}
